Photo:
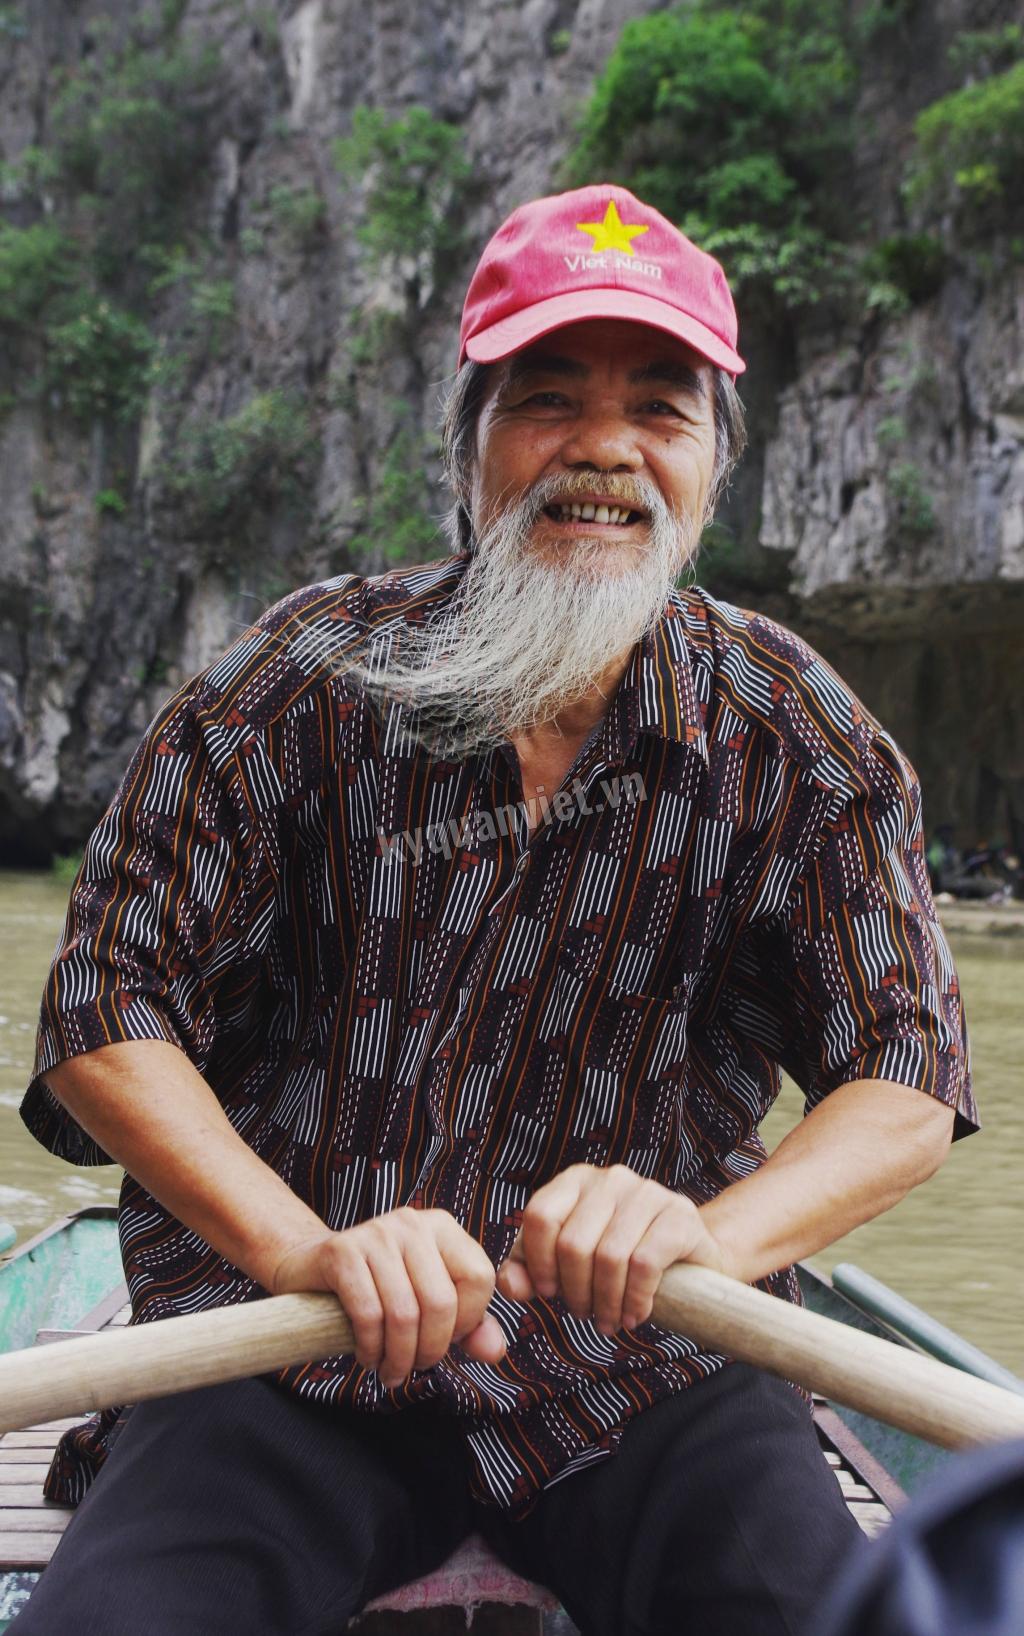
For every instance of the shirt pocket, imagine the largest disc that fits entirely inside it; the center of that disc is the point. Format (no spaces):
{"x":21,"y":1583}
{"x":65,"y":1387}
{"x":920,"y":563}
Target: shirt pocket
{"x":623,"y":1059}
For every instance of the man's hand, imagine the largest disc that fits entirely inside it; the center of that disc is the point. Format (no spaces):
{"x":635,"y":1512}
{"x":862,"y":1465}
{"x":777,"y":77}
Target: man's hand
{"x":601,"y":1239}
{"x":410,"y":1281}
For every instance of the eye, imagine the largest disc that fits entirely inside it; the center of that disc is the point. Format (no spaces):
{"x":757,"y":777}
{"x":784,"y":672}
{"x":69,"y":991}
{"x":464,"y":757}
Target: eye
{"x":515,"y":402}
{"x":659,"y":406}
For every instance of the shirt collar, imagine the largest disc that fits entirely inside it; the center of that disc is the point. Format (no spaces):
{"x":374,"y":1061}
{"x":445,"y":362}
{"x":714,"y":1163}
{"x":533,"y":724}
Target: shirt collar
{"x":657,"y":693}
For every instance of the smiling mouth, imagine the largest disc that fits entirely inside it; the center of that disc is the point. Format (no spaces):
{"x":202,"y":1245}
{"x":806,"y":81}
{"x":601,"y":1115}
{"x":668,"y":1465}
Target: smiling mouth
{"x":575,"y":512}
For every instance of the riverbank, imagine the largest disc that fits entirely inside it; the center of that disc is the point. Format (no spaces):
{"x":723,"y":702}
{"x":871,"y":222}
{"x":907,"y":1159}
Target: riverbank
{"x":961,"y":918}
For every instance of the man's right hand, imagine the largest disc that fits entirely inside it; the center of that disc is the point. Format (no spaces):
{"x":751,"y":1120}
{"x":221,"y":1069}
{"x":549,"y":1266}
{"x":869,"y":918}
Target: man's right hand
{"x":410,"y":1281}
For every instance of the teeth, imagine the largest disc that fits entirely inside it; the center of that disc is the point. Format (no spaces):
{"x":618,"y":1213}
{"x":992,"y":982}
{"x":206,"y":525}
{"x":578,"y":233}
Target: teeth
{"x":571,"y":511}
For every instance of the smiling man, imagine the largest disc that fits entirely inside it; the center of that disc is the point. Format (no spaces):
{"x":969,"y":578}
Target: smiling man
{"x":441,"y":948}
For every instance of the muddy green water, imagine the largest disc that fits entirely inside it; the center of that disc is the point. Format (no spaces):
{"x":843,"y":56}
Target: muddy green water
{"x":954,"y":1246}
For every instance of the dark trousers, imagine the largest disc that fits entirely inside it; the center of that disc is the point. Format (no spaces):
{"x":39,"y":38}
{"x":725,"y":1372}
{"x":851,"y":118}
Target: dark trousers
{"x":240,"y":1510}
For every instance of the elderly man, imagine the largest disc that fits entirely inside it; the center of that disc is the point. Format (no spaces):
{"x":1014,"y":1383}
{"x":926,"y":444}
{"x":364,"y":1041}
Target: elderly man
{"x":440,"y":949}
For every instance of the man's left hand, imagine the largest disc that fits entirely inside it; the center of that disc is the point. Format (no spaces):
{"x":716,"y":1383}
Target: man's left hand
{"x":601,"y":1239}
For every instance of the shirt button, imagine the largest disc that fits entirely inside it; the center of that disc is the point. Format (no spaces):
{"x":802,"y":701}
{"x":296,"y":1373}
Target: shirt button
{"x":523,"y":865}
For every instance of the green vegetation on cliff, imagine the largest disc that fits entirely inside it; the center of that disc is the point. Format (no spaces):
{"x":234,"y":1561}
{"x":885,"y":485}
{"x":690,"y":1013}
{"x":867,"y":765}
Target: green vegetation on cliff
{"x":225,"y":467}
{"x":416,"y":175}
{"x":114,"y":259}
{"x":36,"y":263}
{"x":969,"y":160}
{"x":394,"y":524}
{"x":732,"y":122}
{"x":129,"y":125}
{"x":98,"y":357}
{"x":736,"y":123}
{"x":415,"y":179}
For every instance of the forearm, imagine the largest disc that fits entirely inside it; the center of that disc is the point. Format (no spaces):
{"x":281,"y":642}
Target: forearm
{"x":855,"y":1155}
{"x":150,"y":1109}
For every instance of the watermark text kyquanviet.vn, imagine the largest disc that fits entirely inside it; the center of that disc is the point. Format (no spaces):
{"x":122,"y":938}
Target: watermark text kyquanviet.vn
{"x":475,"y":828}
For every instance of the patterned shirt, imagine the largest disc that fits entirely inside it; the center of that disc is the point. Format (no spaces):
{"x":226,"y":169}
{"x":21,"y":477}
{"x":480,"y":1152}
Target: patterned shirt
{"x":401,"y":996}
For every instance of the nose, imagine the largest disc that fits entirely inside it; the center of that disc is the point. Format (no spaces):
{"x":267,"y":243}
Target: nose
{"x":602,"y":439}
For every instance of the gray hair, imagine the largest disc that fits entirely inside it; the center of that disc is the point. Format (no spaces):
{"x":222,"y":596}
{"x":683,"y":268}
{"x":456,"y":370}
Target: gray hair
{"x":462,"y":407}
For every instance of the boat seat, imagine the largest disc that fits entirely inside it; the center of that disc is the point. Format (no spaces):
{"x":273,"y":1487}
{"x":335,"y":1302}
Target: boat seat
{"x":472,"y":1579}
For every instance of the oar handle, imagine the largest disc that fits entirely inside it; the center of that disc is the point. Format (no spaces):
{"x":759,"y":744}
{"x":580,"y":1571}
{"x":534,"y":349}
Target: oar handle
{"x":888,"y":1382}
{"x":130,"y":1364}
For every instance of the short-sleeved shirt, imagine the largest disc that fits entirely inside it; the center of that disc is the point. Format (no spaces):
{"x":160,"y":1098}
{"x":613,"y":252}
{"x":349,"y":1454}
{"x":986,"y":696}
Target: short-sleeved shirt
{"x":401,"y":996}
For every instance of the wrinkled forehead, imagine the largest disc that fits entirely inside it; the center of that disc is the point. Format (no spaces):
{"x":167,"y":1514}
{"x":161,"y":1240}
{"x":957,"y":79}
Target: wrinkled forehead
{"x":633,"y":354}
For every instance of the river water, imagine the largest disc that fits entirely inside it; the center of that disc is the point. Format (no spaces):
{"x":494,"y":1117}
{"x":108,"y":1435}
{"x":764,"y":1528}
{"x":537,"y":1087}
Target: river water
{"x":954,"y":1245}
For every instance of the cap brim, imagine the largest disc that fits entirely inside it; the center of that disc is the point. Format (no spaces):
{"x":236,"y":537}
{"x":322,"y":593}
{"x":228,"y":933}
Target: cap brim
{"x":510,"y":334}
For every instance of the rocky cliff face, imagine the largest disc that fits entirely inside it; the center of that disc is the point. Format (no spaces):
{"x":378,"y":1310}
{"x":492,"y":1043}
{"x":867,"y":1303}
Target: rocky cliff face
{"x":894,"y":483}
{"x":884,"y":497}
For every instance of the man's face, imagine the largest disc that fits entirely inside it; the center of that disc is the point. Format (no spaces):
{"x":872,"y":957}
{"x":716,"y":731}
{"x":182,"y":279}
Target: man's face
{"x":599,"y":405}
{"x":606,"y":418}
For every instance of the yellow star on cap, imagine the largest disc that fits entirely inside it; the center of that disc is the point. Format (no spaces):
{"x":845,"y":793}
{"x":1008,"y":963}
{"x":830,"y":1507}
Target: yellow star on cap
{"x":612,"y":233}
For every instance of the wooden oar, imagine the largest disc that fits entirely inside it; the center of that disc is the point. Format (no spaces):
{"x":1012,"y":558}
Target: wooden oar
{"x":903,"y":1388}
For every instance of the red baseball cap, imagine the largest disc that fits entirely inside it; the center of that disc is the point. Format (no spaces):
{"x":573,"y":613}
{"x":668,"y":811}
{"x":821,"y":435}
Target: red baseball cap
{"x":597,"y":252}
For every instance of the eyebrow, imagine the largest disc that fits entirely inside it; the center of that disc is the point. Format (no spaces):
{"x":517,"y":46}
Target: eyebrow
{"x":524,"y":364}
{"x":668,"y":372}
{"x":661,"y":371}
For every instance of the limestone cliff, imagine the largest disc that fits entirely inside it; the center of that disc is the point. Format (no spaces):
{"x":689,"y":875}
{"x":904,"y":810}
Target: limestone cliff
{"x":901,"y":554}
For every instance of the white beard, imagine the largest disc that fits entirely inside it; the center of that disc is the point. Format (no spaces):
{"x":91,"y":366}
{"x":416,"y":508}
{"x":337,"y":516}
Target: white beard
{"x":526,"y":637}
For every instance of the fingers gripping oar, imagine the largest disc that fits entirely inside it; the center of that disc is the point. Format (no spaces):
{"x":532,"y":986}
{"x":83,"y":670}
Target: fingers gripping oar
{"x":902,"y":1388}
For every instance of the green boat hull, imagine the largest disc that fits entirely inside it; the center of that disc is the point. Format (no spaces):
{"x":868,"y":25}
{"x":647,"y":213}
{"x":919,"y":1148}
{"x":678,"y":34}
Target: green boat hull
{"x":54,"y":1278}
{"x":49,"y":1283}
{"x":910,"y":1461}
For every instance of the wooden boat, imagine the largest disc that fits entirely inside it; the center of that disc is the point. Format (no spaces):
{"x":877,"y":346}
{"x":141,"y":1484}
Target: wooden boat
{"x":67,"y":1281}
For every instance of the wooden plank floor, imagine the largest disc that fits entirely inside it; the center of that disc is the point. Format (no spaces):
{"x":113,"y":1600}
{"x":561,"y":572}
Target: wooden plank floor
{"x":30,"y":1526}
